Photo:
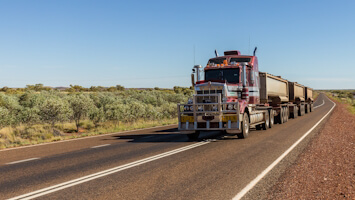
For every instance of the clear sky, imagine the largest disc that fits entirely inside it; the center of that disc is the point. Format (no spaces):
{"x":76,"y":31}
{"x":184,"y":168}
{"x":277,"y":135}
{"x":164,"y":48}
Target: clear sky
{"x":151,"y":43}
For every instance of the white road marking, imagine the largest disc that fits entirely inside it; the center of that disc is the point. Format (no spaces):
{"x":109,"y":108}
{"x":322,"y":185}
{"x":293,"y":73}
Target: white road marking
{"x":83,"y":138}
{"x":20,"y":161}
{"x":250,"y":186}
{"x":98,"y":146}
{"x":319,"y":105}
{"x":90,"y":177}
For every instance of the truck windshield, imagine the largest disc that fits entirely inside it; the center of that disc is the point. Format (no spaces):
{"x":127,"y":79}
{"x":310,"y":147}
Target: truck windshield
{"x":229,"y":75}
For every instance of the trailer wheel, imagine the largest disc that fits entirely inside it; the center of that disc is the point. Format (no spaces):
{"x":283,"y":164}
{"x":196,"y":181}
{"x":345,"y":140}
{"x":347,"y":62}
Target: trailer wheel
{"x":193,"y":136}
{"x":287,"y":113}
{"x":281,"y":116}
{"x":245,"y":127}
{"x":295,"y":112}
{"x":271,"y":115}
{"x":267,"y":121}
{"x":300,"y":111}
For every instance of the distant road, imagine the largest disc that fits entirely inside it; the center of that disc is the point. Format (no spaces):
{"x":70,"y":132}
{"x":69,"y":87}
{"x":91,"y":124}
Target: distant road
{"x":157,"y":163}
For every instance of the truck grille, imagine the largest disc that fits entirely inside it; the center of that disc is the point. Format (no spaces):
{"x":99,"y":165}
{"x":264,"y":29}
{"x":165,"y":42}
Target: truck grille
{"x":208,"y":99}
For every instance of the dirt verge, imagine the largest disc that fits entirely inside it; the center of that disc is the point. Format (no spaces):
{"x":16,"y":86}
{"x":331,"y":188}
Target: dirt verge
{"x":326,"y":168}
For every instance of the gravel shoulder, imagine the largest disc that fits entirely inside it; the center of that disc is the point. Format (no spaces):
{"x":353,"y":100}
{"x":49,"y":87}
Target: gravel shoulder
{"x":326,"y":168}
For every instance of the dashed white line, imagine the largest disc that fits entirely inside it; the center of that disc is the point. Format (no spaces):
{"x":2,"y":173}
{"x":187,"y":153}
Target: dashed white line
{"x":20,"y":161}
{"x":98,"y":146}
{"x":90,"y":177}
{"x":255,"y":181}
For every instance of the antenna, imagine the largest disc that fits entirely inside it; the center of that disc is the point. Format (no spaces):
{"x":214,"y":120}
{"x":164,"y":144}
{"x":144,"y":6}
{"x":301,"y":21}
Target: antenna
{"x":249,"y":46}
{"x":194,"y":55}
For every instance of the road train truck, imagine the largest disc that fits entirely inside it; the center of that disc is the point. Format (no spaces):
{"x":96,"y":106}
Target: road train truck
{"x":234,"y":97}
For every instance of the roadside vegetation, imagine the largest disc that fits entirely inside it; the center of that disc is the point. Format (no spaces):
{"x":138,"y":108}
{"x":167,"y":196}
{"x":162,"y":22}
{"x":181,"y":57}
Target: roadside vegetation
{"x":344,"y":96}
{"x":37,"y":114}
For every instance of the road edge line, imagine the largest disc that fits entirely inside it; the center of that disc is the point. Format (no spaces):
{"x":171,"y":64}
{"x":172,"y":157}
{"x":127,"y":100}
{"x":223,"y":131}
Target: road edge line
{"x":256,"y":180}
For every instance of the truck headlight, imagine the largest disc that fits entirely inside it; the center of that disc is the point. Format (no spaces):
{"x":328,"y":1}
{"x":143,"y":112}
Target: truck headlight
{"x":200,"y":108}
{"x":214,"y":108}
{"x":191,"y":108}
{"x":230,"y":106}
{"x":235,"y":106}
{"x":186,"y":108}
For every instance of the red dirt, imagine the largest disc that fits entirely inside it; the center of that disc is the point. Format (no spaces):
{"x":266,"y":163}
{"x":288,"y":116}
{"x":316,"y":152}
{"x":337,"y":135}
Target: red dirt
{"x":326,"y":169}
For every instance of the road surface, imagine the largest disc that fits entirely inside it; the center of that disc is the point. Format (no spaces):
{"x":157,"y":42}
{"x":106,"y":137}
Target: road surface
{"x":157,"y":163}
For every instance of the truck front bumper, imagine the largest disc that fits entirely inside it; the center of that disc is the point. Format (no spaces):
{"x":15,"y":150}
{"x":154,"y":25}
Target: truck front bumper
{"x":217,"y":119}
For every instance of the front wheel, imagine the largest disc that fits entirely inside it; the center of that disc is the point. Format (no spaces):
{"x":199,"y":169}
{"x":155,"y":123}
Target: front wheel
{"x":245,"y":127}
{"x":194,"y":136}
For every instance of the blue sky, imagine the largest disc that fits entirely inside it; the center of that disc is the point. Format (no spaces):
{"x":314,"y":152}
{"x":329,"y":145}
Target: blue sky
{"x":151,"y":43}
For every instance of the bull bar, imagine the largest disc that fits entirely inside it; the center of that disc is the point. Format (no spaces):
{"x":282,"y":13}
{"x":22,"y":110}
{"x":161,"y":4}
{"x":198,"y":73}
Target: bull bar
{"x":221,"y":116}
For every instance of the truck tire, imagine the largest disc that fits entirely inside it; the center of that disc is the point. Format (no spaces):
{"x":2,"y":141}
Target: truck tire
{"x":285,"y":114}
{"x":193,"y":136}
{"x":301,"y":111}
{"x":272,"y":119}
{"x":245,"y":127}
{"x":281,"y":116}
{"x":295,"y":112}
{"x":311,"y":107}
{"x":288,"y":113}
{"x":267,"y":121}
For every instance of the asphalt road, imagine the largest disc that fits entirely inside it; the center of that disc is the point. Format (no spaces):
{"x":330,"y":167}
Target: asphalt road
{"x":157,"y":163}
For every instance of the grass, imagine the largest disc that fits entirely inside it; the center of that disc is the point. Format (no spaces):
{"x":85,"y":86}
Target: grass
{"x":350,"y":103}
{"x":40,"y":133}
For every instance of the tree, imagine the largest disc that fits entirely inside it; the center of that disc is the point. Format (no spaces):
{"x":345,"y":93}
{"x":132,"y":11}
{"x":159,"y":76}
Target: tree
{"x":54,"y":109}
{"x":97,"y":115}
{"x":81,"y":106}
{"x":4,"y":117}
{"x":120,"y":88}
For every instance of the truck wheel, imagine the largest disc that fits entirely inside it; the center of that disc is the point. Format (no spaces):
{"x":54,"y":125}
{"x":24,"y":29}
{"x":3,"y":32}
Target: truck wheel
{"x":285,"y":114}
{"x":295,"y":112}
{"x":311,"y":108}
{"x":271,"y":115}
{"x":288,"y":112}
{"x":301,"y":110}
{"x":281,"y":116}
{"x":193,"y":136}
{"x":245,"y":127}
{"x":267,"y":121}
